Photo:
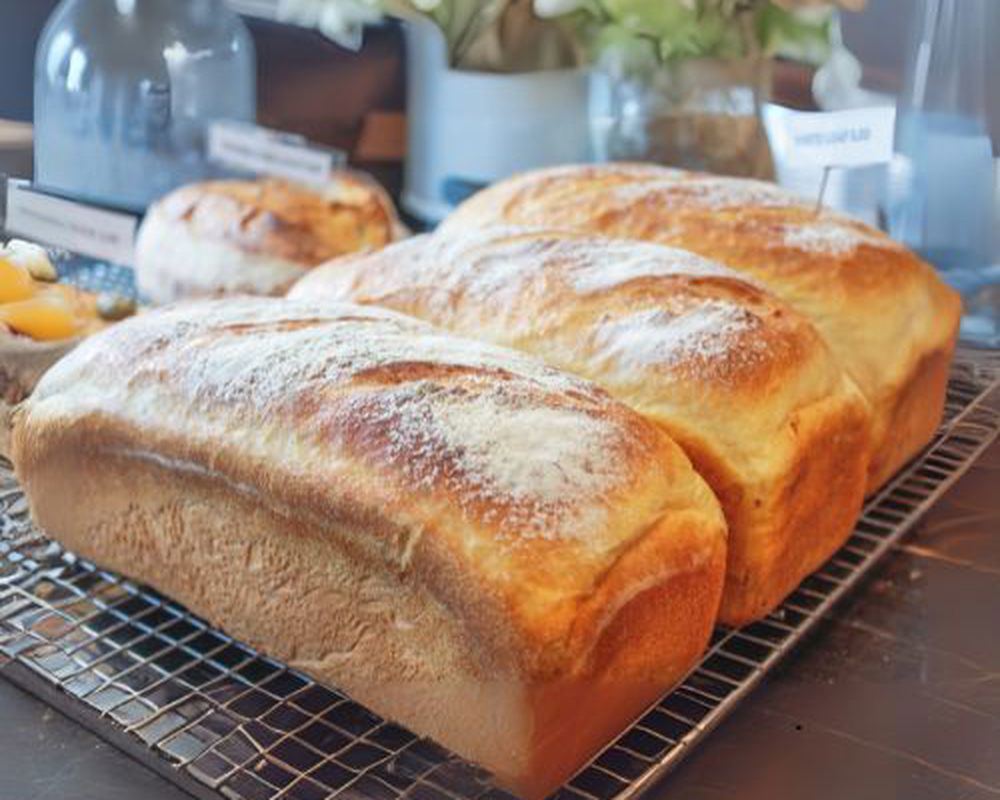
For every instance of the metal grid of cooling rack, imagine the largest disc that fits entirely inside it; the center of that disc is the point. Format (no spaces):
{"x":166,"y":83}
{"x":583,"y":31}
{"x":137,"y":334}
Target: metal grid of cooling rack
{"x":217,"y":718}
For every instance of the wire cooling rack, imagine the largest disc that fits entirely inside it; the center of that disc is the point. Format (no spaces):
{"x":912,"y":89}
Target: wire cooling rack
{"x":219,"y":719}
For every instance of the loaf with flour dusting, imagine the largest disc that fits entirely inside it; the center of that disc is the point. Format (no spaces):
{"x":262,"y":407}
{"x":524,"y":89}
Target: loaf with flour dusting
{"x":255,"y":236}
{"x":889,"y":319}
{"x":487,"y":550}
{"x":744,"y":384}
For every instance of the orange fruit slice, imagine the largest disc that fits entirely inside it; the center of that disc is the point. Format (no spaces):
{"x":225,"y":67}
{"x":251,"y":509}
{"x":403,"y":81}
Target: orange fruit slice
{"x":45,"y":318}
{"x":15,"y":282}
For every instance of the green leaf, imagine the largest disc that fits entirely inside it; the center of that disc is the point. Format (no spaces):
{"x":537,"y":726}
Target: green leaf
{"x":621,"y":52}
{"x":804,"y":35}
{"x":680,"y":28}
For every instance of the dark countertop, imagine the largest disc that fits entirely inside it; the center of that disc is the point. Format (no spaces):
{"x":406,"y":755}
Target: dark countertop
{"x":896,"y":696}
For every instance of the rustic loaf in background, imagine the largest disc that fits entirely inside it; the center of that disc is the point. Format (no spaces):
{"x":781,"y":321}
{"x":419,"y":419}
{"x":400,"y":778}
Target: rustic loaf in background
{"x":255,"y":237}
{"x":489,"y":551}
{"x":885,"y":314}
{"x":743,"y":383}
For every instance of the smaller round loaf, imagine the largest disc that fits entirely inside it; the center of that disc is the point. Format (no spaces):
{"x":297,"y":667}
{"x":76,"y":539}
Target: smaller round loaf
{"x":255,"y":237}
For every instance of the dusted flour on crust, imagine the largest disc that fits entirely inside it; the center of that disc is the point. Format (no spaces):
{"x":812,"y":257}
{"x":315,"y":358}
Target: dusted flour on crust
{"x":834,"y":236}
{"x":714,"y":330}
{"x":512,"y":441}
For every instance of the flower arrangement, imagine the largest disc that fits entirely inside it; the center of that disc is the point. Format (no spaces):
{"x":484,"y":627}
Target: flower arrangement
{"x":632,"y":33}
{"x":516,"y":35}
{"x":487,"y":35}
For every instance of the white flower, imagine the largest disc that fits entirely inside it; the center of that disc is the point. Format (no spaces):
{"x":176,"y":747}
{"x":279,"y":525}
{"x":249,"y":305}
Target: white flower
{"x":555,"y":8}
{"x":340,"y":20}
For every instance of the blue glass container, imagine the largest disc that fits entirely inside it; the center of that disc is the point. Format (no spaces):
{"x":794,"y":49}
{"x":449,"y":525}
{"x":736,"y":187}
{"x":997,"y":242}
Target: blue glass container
{"x":942,"y":191}
{"x":124,"y":90}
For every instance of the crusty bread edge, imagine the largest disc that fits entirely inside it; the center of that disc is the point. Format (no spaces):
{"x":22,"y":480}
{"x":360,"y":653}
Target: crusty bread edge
{"x":811,"y":510}
{"x":791,"y":519}
{"x":915,"y":415}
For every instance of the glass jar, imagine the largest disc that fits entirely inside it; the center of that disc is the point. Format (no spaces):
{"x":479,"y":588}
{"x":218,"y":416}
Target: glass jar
{"x":698,"y":113}
{"x":941,"y":198}
{"x":124,"y":90}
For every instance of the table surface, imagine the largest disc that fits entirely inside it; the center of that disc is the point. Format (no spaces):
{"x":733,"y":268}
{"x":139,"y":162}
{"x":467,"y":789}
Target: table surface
{"x":897,"y":695}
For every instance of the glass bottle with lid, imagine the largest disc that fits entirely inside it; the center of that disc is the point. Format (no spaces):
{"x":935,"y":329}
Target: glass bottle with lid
{"x":124,"y":90}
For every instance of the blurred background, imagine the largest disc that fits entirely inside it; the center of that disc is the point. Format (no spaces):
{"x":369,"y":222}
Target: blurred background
{"x":517,"y":99}
{"x":306,"y":84}
{"x":355,"y":101}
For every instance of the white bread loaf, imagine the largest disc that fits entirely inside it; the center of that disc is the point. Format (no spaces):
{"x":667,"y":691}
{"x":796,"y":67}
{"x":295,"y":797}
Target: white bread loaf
{"x":744,"y":384}
{"x":489,"y":551}
{"x":887,"y":317}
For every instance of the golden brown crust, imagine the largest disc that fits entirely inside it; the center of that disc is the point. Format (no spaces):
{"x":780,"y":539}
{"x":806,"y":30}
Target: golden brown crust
{"x":740,"y":380}
{"x":374,"y":544}
{"x":255,"y":237}
{"x":916,"y":413}
{"x":281,"y":219}
{"x":879,"y":307}
{"x":795,"y":524}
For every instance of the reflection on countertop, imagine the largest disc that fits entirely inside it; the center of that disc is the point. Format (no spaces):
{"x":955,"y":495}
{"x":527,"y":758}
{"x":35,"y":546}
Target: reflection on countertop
{"x":897,"y":695}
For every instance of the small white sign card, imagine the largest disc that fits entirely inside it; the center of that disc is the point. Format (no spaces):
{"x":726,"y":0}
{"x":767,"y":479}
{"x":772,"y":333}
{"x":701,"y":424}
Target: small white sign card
{"x":852,"y":138}
{"x":849,"y":138}
{"x":70,"y":225}
{"x":251,"y":148}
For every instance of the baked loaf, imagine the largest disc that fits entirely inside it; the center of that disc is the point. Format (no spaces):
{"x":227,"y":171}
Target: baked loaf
{"x":884,"y":312}
{"x":491,"y":552}
{"x":744,"y":384}
{"x":254,"y":237}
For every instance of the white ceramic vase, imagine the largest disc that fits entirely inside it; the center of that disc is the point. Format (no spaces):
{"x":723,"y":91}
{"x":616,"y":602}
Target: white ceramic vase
{"x":466,"y":129}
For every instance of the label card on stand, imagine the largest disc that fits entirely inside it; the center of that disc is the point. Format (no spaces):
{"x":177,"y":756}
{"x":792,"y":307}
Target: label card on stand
{"x":851,"y":138}
{"x":250,"y":148}
{"x":70,"y":225}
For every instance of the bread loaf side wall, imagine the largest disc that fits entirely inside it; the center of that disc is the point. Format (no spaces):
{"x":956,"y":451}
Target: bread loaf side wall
{"x":301,"y":593}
